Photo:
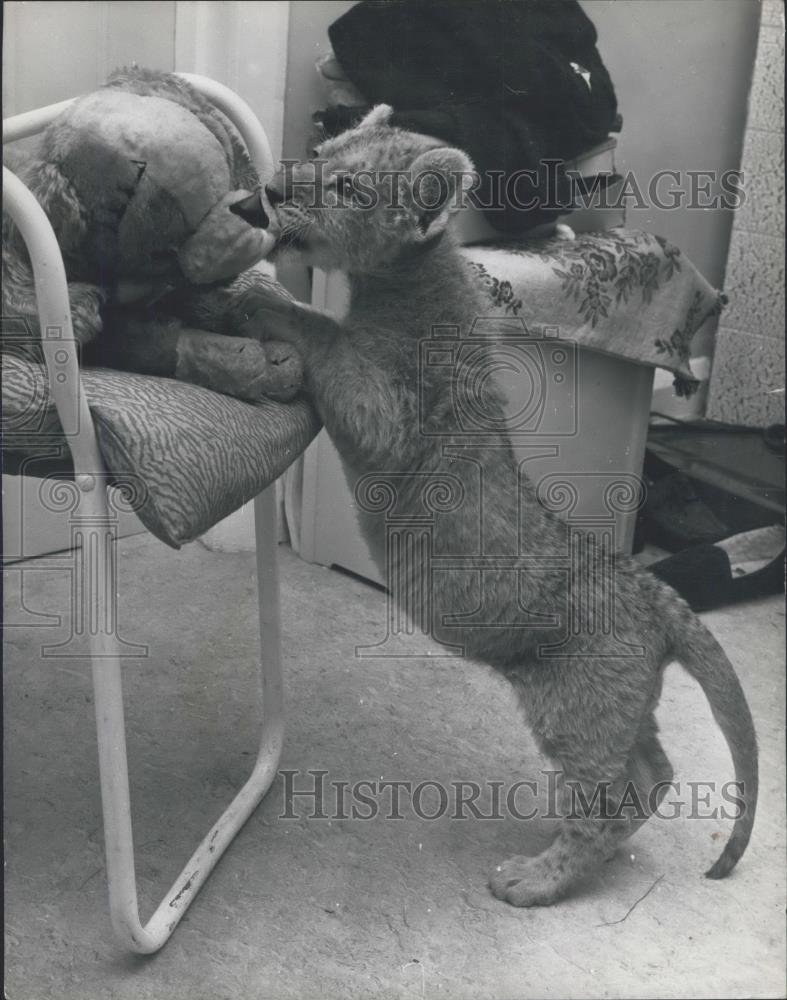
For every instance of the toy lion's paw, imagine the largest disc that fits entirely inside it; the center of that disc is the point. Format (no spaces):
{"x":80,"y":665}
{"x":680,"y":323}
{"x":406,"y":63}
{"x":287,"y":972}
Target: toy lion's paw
{"x":86,"y":301}
{"x":285,"y":370}
{"x":265,"y":371}
{"x":239,"y":366}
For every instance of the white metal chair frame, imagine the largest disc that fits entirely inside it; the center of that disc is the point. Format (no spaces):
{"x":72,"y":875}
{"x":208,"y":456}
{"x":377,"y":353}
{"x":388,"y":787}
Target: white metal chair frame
{"x":93,"y":515}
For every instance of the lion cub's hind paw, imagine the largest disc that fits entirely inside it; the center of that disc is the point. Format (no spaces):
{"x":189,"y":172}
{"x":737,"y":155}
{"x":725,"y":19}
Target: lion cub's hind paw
{"x":524,"y":881}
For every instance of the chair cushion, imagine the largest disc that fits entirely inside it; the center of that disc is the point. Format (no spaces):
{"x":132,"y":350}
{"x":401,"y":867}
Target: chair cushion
{"x":187,"y":455}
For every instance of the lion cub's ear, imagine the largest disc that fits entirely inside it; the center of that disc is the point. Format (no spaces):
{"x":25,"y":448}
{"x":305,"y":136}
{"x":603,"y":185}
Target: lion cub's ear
{"x":379,"y":115}
{"x":438,"y":178}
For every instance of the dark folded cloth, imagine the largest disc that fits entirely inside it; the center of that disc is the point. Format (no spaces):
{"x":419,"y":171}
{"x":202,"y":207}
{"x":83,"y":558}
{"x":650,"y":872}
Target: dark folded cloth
{"x":701,"y":575}
{"x":514,"y":84}
{"x":710,"y":576}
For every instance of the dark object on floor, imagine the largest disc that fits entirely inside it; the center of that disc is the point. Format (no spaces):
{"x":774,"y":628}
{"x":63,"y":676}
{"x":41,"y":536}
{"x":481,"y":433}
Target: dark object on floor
{"x":701,"y":575}
{"x":513,"y":84}
{"x":736,"y":470}
{"x":710,"y":576}
{"x":733,"y":471}
{"x":774,"y":439}
{"x":674,"y":517}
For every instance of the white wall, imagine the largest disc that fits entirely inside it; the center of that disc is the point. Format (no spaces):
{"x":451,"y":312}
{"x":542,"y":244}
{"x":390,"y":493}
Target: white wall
{"x":682,"y":71}
{"x":307,"y":41}
{"x":54,"y":50}
{"x":243,"y":45}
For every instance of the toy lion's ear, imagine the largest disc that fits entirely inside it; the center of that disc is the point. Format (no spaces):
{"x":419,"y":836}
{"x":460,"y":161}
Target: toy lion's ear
{"x":379,"y":115}
{"x":61,"y":202}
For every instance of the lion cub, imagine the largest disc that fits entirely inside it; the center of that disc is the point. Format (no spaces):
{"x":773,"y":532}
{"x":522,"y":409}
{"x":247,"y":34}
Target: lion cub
{"x":377,"y":206}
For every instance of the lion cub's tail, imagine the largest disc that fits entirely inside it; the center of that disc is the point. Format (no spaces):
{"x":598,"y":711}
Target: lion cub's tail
{"x":706,"y":661}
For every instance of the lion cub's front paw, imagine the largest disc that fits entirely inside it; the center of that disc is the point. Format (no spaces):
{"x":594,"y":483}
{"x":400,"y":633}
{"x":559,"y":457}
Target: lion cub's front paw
{"x":264,"y":313}
{"x":524,"y":881}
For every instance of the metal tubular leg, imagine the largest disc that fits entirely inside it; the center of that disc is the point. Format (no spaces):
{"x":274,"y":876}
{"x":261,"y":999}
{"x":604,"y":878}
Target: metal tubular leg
{"x":113,"y":761}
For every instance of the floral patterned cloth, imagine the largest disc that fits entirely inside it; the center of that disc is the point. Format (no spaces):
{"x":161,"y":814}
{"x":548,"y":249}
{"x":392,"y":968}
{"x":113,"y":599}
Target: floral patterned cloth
{"x":622,"y":292}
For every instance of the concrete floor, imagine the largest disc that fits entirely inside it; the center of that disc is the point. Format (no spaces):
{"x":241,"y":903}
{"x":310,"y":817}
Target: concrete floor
{"x":353,"y":909}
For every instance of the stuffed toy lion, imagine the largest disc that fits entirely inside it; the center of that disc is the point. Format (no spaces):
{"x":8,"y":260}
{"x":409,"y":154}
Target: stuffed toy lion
{"x":147,"y":187}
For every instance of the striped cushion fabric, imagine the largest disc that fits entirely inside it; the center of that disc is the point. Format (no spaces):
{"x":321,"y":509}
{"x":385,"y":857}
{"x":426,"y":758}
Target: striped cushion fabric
{"x":188,"y":456}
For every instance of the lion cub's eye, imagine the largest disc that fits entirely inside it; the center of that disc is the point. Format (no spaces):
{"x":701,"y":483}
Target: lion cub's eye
{"x":344,"y":186}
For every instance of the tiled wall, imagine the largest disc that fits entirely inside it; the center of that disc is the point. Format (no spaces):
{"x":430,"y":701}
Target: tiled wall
{"x":748,"y":361}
